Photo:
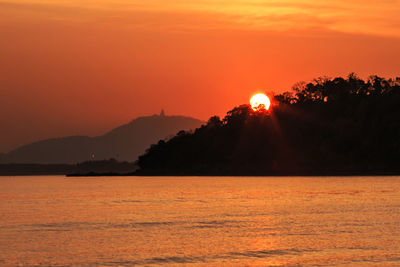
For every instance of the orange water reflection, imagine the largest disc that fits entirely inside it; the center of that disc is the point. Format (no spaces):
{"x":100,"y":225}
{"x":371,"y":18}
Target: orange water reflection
{"x":199,"y":221}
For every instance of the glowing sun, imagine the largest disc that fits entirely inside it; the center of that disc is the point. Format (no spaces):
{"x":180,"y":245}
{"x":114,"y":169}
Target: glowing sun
{"x":260,"y":102}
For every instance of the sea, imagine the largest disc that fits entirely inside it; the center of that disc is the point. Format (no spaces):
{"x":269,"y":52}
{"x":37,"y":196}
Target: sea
{"x":199,"y":221}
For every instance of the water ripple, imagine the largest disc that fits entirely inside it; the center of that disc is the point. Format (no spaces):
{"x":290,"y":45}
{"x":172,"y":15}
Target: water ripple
{"x":204,"y":259}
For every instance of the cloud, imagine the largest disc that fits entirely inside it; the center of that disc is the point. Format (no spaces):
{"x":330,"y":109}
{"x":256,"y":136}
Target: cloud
{"x":359,"y":16}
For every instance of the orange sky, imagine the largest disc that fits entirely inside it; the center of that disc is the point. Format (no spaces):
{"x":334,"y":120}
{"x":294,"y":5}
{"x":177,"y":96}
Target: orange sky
{"x":71,"y":67}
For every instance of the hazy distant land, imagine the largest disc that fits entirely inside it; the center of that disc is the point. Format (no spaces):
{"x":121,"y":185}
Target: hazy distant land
{"x":124,"y":143}
{"x":104,"y":167}
{"x":113,"y":153}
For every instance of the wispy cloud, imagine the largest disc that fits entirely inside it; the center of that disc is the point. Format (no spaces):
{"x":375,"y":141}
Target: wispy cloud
{"x":357,"y":16}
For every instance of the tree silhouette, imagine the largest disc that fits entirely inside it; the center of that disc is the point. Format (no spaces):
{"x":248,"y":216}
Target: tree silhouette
{"x":328,"y":126}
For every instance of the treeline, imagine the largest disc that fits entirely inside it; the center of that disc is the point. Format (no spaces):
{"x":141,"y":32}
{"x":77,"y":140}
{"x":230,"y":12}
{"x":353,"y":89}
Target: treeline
{"x":35,"y":169}
{"x":329,"y":126}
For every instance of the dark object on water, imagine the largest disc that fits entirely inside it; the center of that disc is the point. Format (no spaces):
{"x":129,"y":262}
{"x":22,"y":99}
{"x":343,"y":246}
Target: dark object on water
{"x":94,"y":174}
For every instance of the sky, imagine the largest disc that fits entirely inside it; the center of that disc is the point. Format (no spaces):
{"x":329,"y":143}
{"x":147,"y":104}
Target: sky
{"x":70,"y":67}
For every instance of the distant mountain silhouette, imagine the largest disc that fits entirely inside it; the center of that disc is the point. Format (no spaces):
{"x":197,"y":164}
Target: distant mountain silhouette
{"x":124,"y":143}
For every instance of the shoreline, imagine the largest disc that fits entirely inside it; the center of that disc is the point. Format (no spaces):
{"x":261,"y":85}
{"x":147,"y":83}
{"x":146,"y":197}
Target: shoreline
{"x":338,"y":174}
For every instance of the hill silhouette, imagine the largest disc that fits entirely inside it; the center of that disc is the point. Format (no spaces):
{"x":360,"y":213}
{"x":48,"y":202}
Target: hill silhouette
{"x":325,"y":127}
{"x":124,"y":143}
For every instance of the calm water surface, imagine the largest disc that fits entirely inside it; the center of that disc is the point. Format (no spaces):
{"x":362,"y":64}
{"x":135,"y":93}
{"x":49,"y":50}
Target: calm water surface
{"x":210,"y":221}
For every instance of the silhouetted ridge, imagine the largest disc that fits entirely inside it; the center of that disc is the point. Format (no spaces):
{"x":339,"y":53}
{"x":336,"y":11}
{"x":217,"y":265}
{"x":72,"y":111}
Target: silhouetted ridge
{"x":329,"y":126}
{"x":124,"y":143}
